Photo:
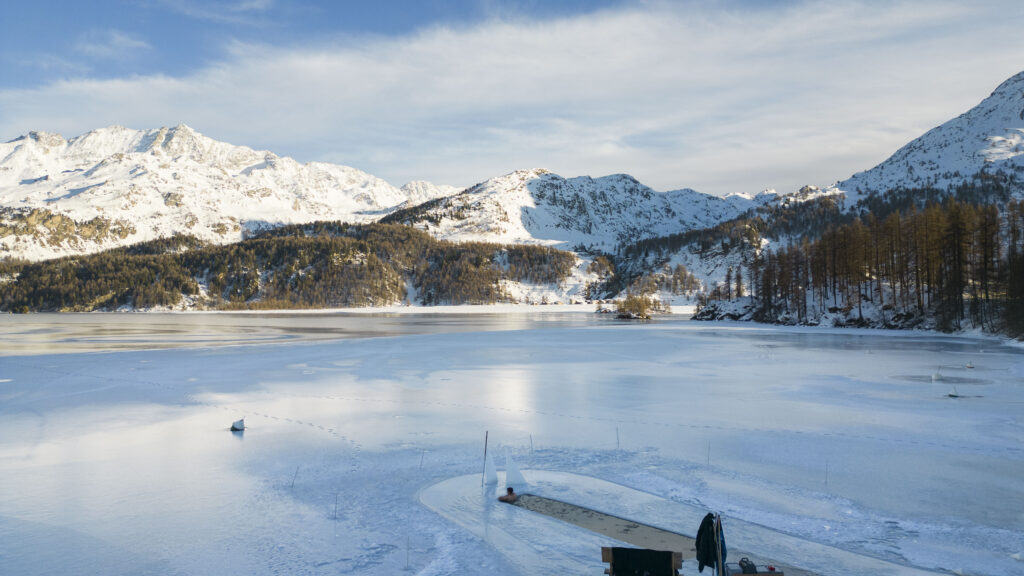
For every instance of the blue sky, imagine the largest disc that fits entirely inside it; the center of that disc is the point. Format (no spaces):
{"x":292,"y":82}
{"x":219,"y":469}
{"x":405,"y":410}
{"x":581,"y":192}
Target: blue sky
{"x":720,"y":96}
{"x":48,"y":40}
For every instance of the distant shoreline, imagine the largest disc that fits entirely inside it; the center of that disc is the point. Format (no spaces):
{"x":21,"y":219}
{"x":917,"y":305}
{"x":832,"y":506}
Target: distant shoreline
{"x":452,"y":309}
{"x":500,"y":308}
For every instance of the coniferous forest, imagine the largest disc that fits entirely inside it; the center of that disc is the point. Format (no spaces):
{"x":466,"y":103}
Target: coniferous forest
{"x":318,"y":265}
{"x":956,"y":263}
{"x":950,"y":265}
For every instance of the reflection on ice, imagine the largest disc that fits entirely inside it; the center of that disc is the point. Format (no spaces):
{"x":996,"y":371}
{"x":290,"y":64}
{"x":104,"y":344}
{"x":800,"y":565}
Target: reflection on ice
{"x":91,"y":332}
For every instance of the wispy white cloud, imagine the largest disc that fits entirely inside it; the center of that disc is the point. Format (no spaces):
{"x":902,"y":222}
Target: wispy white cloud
{"x":111,"y":44}
{"x":250,"y":5}
{"x":715,"y":99}
{"x":248,"y":12}
{"x":46,"y":62}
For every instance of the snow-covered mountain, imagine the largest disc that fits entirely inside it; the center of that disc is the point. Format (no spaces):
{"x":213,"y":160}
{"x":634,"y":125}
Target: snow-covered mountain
{"x":989,"y":138}
{"x":537,"y":206}
{"x":116,"y":186}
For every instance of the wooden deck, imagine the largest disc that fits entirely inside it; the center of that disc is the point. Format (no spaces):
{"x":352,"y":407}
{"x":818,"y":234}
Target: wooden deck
{"x":636,"y":533}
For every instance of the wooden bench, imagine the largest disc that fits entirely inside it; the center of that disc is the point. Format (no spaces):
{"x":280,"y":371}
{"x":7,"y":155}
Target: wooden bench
{"x":641,"y":561}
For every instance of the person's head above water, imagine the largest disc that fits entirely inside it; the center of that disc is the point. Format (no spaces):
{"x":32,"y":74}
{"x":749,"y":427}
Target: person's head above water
{"x":509,"y":496}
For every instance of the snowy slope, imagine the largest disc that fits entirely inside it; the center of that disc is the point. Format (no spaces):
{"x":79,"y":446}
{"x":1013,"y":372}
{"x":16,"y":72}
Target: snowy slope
{"x":537,"y":206}
{"x":154,"y":183}
{"x":989,"y":137}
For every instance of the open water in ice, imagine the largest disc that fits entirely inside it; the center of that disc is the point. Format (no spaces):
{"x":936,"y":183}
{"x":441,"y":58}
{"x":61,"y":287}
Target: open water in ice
{"x":115,"y":456}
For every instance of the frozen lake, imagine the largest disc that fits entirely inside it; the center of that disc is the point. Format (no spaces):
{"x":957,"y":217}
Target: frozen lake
{"x":115,"y":456}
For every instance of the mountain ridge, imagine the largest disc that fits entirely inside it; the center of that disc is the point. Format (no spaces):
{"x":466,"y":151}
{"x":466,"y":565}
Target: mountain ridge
{"x":169,"y":180}
{"x":580,"y":213}
{"x":988,"y":138}
{"x":116,"y":186}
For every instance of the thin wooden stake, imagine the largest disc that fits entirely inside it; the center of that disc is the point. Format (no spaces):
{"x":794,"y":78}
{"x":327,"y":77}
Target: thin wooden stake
{"x":483,"y":477}
{"x":295,"y":476}
{"x":335,"y":506}
{"x":616,"y":437}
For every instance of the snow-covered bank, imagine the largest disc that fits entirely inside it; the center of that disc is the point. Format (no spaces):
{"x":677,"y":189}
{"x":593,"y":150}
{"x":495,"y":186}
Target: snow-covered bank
{"x":122,"y":462}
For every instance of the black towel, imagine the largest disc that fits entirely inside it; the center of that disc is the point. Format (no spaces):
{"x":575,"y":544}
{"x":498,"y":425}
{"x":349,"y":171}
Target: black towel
{"x":707,"y":551}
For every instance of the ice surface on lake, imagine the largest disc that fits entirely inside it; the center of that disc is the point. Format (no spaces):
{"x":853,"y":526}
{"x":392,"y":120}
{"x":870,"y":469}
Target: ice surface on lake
{"x":122,"y":463}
